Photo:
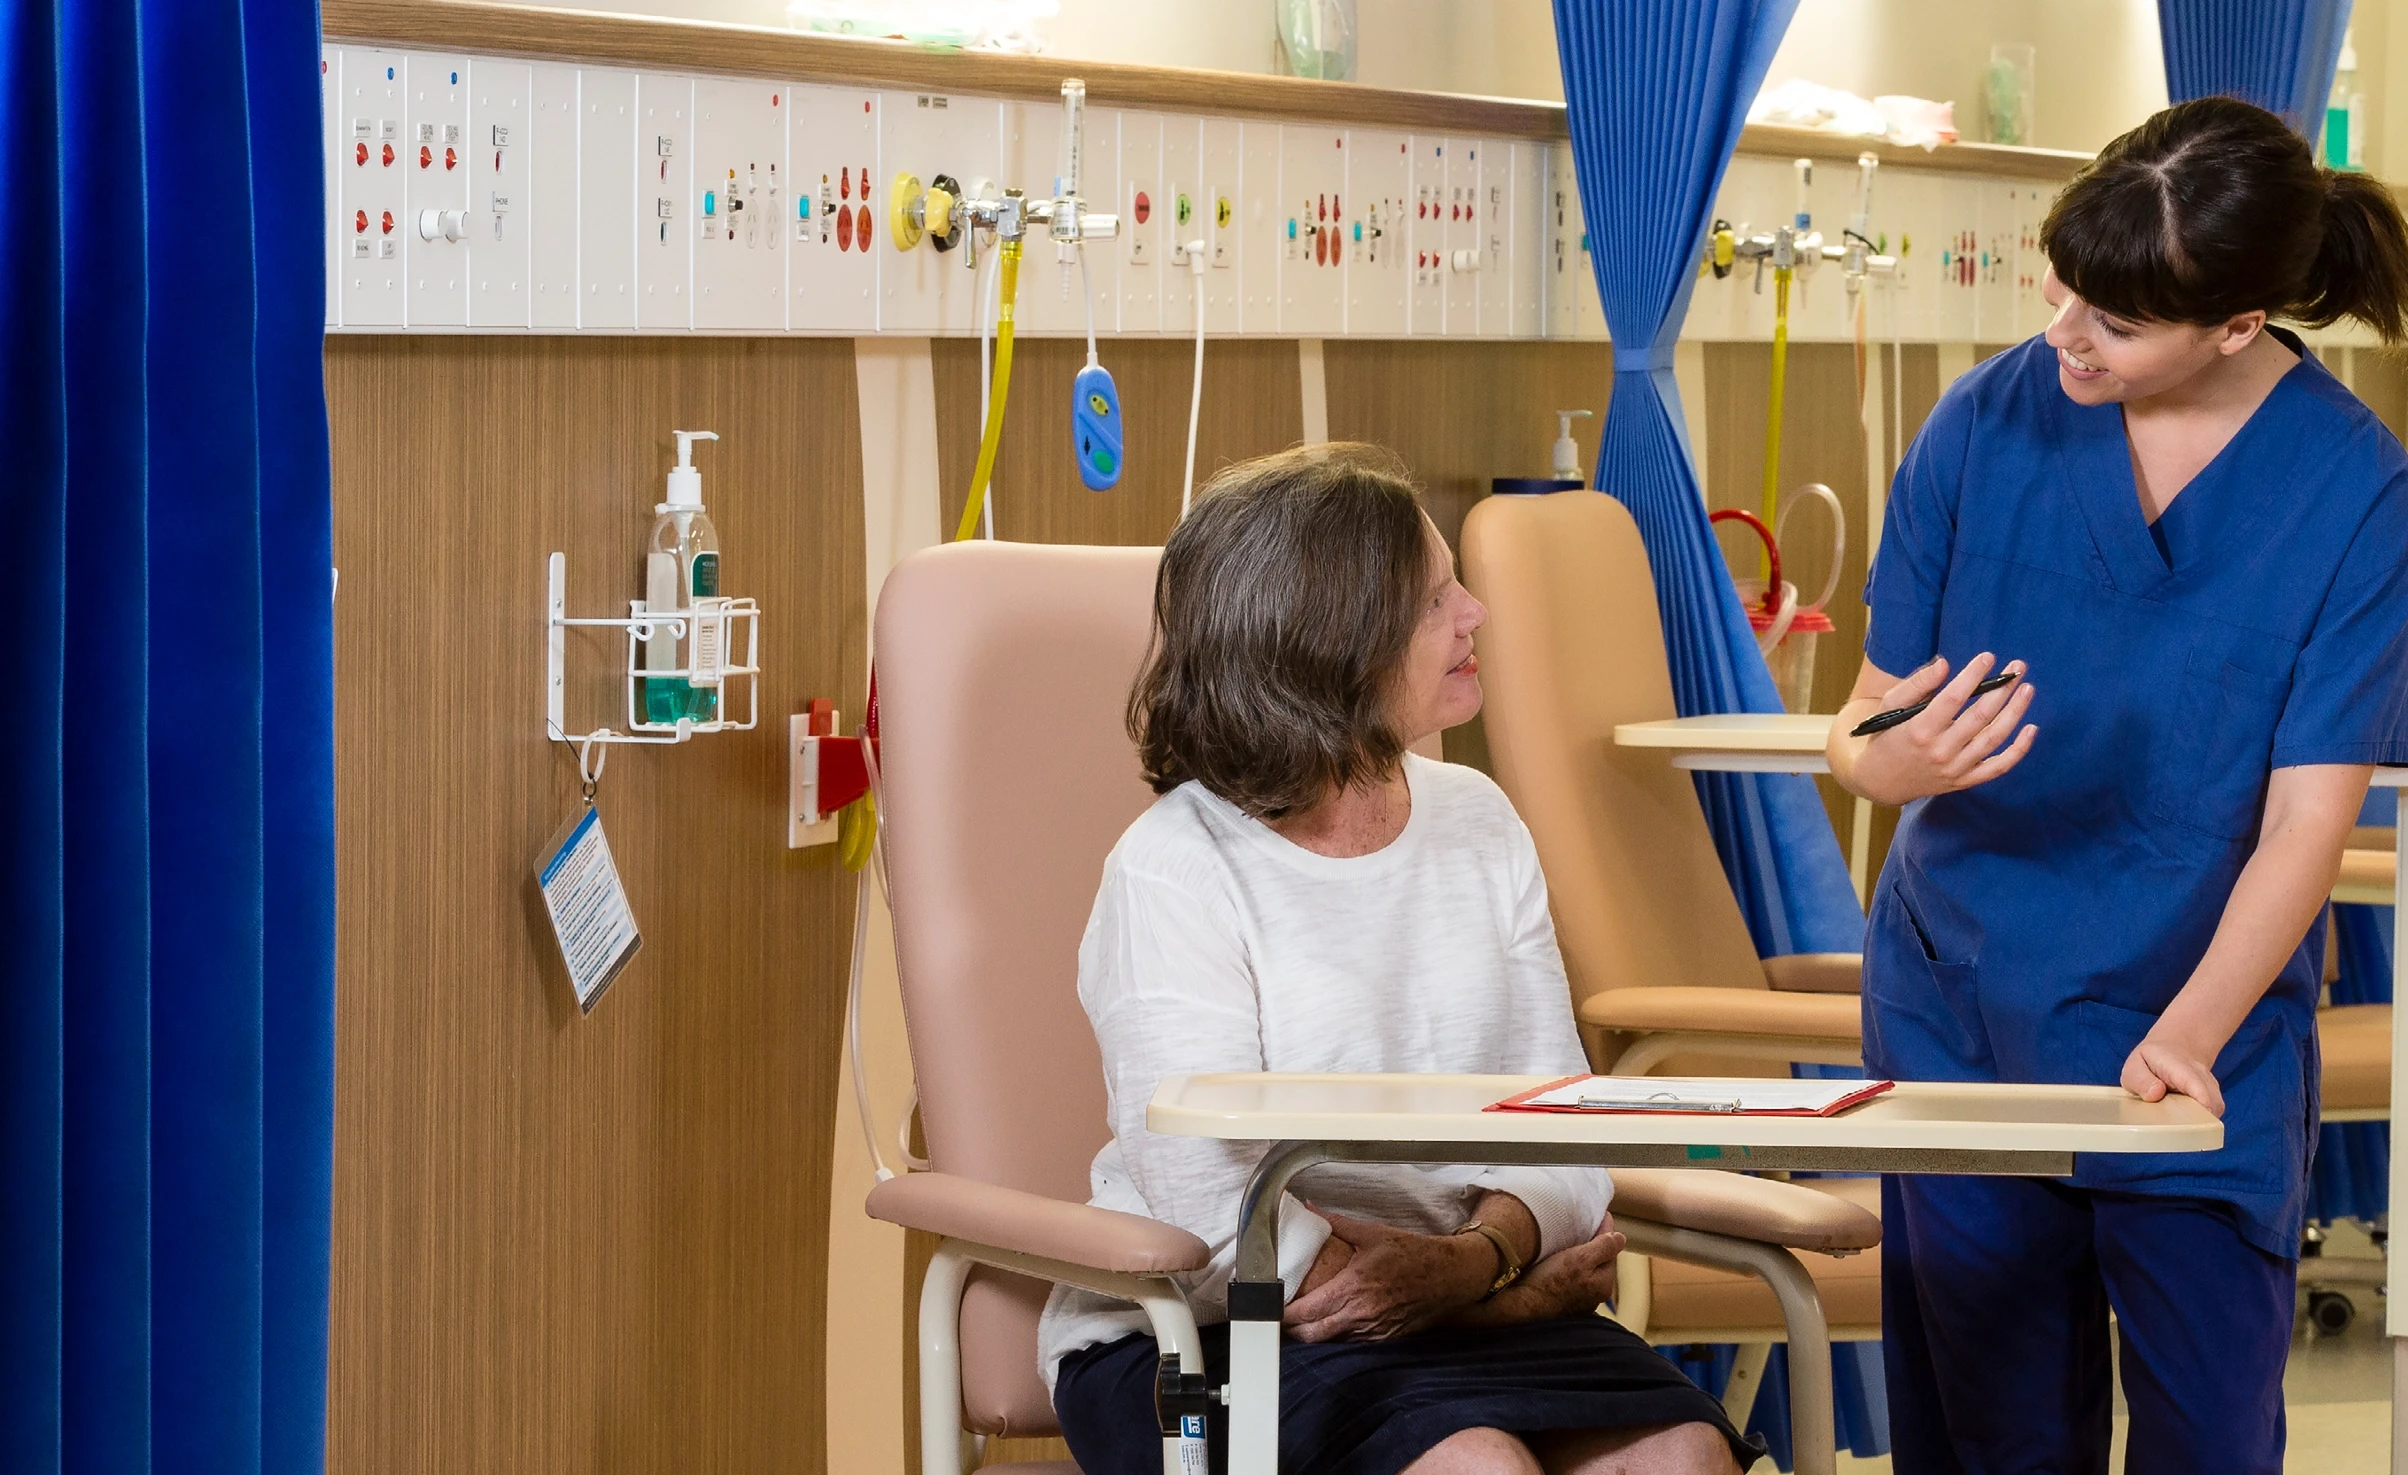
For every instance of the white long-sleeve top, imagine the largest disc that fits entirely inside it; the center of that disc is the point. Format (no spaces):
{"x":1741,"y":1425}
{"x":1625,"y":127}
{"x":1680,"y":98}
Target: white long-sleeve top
{"x":1218,"y":945}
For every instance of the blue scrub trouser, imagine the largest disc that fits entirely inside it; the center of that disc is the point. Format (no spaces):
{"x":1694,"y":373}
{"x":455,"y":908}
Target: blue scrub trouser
{"x":1994,"y":1299}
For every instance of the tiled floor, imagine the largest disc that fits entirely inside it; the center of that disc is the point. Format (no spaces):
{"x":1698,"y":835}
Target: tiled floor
{"x":2336,"y":1391}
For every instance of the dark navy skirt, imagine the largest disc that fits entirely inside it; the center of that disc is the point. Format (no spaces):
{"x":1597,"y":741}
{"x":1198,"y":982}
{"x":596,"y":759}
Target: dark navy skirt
{"x":1372,"y":1408}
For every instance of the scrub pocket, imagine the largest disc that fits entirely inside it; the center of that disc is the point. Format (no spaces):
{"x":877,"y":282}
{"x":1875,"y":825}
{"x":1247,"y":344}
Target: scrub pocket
{"x":2220,"y":750}
{"x":2265,"y":1115}
{"x":1923,"y":1017}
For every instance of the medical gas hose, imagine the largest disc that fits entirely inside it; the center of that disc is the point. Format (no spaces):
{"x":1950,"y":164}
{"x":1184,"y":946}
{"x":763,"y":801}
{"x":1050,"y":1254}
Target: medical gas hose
{"x":1010,"y":267}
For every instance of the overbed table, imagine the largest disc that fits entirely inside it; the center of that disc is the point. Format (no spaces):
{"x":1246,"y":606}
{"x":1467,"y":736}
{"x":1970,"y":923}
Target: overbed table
{"x":1914,"y":1128}
{"x":1783,"y":742}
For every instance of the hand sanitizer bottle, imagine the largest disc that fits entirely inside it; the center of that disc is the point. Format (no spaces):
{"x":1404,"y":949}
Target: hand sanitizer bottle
{"x":681,"y":565}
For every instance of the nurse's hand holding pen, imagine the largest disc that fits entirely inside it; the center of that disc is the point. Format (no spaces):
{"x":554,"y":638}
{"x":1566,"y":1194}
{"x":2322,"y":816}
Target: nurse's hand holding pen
{"x":1959,"y":740}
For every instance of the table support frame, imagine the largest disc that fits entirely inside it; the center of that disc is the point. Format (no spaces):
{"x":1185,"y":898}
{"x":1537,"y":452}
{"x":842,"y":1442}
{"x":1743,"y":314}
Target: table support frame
{"x":1257,"y":1295}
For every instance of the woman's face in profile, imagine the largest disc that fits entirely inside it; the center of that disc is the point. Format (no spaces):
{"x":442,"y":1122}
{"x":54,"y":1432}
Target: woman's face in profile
{"x":1439,"y":686}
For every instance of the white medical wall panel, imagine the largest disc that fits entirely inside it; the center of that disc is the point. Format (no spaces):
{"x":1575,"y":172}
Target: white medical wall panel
{"x":928,"y":136}
{"x":1052,"y":297}
{"x":1223,"y":171}
{"x":664,"y":241}
{"x":1492,"y":231}
{"x":1182,"y":221}
{"x":1526,"y":231}
{"x":500,"y":100}
{"x":608,"y":169}
{"x":832,"y":265}
{"x":1425,"y":301}
{"x":548,"y":214}
{"x":372,"y":175}
{"x":434,"y":232}
{"x":1463,"y":237}
{"x":737,"y":213}
{"x":1573,"y":310}
{"x":1262,"y":226}
{"x":1378,"y":184}
{"x":1139,"y":257}
{"x":1312,"y":267}
{"x":330,"y":114}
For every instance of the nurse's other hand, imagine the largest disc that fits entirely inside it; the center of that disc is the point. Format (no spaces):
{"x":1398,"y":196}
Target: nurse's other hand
{"x":2157,"y":1066}
{"x":1955,"y":743}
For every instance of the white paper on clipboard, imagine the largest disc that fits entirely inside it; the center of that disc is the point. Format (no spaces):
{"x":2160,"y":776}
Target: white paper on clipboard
{"x":590,"y":915}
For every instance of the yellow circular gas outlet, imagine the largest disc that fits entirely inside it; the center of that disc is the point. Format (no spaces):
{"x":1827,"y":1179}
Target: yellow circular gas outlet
{"x":903,"y":199}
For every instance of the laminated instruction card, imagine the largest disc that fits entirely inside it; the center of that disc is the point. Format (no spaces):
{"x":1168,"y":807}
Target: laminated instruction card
{"x":1745,"y":1096}
{"x":590,"y":916}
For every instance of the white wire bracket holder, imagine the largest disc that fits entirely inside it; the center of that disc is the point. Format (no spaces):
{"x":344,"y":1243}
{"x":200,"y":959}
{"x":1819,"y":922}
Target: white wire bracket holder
{"x":717,"y":625}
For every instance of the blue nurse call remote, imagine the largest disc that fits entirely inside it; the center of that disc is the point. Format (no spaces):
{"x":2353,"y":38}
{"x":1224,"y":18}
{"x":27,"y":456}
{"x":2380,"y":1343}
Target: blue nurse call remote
{"x":1095,"y":427}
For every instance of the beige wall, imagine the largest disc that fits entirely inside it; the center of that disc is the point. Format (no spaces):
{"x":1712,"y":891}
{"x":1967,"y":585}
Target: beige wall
{"x":2098,"y":70}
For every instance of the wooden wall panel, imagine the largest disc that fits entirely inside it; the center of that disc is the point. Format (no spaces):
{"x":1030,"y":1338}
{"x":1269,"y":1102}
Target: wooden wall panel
{"x":565,"y":1244}
{"x":1252,"y":406}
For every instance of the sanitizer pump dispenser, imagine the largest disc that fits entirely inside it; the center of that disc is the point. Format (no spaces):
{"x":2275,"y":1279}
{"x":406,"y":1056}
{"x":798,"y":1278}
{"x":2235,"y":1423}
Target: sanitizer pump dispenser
{"x":681,"y":571}
{"x":1567,"y":451}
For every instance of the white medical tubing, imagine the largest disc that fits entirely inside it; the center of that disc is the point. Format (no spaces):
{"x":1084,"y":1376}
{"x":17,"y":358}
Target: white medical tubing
{"x":1195,"y":395}
{"x":852,"y":1006}
{"x":986,"y":379}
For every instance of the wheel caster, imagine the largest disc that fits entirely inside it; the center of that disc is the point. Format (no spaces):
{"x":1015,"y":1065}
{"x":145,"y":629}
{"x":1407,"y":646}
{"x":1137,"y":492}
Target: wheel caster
{"x":2330,"y":1312}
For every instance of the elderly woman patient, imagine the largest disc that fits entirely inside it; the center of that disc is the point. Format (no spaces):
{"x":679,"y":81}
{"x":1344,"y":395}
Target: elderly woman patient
{"x":1307,"y":895}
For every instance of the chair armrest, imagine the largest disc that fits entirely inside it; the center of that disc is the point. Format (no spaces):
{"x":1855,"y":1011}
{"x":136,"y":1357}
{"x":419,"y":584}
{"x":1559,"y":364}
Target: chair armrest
{"x":1761,"y":1209}
{"x":2372,"y":837}
{"x":1729,"y":1011}
{"x":1032,"y":1224}
{"x":1816,"y":973}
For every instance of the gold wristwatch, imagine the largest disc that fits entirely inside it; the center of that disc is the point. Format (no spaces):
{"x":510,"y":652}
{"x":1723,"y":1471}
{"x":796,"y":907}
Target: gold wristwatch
{"x":1509,"y":1264}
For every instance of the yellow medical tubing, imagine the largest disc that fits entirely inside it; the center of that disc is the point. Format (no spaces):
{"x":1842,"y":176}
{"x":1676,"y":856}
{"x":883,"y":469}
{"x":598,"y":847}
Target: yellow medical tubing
{"x":1003,"y":384}
{"x":1772,"y":419}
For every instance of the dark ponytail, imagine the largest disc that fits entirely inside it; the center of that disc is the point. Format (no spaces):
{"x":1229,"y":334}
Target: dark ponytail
{"x":2361,"y":266}
{"x":2213,"y":208}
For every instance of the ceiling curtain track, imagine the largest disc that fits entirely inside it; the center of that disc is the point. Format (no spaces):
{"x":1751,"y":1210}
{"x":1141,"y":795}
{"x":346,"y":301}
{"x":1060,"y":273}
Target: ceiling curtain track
{"x":167,"y":817}
{"x":2278,"y":54}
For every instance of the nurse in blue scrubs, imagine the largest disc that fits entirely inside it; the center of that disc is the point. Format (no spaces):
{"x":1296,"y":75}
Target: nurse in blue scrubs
{"x":2190,"y":544}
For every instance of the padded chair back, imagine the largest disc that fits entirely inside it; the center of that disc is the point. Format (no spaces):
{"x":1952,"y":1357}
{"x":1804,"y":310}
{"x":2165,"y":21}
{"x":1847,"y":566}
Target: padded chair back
{"x":1572,"y":649}
{"x":1008,"y":775}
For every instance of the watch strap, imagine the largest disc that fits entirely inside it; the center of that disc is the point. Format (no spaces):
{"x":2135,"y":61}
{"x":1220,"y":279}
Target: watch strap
{"x":1509,"y":1265}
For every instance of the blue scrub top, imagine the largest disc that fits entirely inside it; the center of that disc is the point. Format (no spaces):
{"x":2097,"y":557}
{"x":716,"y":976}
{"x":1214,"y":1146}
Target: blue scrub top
{"x":2034,"y":927}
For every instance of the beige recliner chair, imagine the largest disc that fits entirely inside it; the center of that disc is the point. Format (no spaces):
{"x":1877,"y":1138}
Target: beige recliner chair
{"x":1663,"y":970}
{"x":1003,"y":671}
{"x":1659,"y":955}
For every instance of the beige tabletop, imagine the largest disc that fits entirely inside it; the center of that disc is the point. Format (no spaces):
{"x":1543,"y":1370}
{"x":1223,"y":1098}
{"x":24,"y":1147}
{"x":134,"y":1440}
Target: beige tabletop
{"x":1737,"y":742}
{"x":1928,"y":1116}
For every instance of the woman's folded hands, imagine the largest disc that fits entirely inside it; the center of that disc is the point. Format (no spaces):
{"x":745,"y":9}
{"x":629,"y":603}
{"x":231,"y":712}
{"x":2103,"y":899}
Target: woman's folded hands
{"x":1372,"y":1282}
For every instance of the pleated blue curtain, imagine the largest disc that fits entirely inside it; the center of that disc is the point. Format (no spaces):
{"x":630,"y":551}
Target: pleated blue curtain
{"x":1656,"y":92}
{"x":166,"y":817}
{"x":2279,"y":54}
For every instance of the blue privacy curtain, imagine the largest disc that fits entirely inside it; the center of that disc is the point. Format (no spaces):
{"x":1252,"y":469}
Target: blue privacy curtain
{"x":1656,"y":92}
{"x":166,"y":810}
{"x":2351,"y":1176}
{"x":2278,"y":54}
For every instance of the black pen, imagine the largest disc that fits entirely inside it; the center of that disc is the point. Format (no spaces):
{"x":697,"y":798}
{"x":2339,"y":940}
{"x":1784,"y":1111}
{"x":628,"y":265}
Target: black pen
{"x":1884,"y":721}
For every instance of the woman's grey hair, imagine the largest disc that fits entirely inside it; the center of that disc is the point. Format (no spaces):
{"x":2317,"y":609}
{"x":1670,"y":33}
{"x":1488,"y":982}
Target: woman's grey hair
{"x":1283,"y":610}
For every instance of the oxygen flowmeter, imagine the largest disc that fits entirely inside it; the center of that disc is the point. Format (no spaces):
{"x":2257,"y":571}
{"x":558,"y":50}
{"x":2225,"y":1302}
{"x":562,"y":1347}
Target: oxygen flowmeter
{"x":943,"y":215}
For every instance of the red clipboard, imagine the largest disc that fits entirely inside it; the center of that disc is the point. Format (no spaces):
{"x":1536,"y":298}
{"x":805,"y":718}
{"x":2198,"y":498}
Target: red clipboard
{"x":1625,"y":1102}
